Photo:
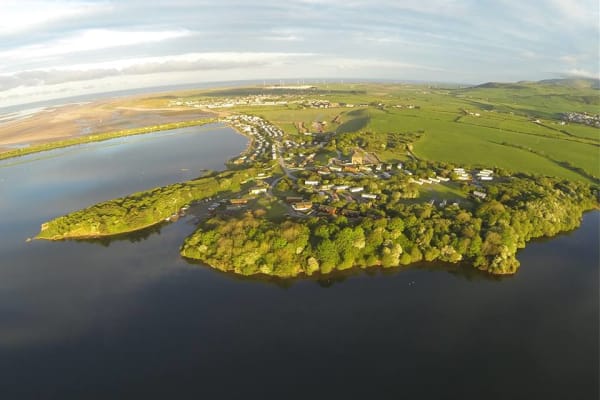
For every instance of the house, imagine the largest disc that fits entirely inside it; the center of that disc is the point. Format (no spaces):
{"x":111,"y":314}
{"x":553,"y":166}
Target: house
{"x":302,"y":206}
{"x":480,"y":195}
{"x":311,"y":183}
{"x":258,"y":190}
{"x":328,"y":209}
{"x":238,"y":201}
{"x":357,"y":158}
{"x":340,"y":187}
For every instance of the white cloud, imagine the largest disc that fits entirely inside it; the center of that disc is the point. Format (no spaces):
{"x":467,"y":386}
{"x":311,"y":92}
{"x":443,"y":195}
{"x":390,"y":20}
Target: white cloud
{"x":578,"y":11}
{"x":437,"y":7}
{"x":145,"y":66}
{"x":90,"y":40}
{"x":345,"y":63}
{"x":284,"y":38}
{"x":582,"y":73}
{"x":19,"y":16}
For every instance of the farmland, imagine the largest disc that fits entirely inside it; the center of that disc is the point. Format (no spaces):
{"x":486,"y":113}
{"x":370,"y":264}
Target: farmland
{"x":518,"y":127}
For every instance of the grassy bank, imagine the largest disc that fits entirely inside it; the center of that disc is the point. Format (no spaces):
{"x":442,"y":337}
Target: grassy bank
{"x":141,"y":210}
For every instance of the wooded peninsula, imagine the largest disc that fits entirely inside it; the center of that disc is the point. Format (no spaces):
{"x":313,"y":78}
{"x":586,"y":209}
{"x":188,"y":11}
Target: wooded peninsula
{"x":356,"y":191}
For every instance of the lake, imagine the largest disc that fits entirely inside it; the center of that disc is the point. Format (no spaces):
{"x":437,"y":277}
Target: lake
{"x":129,"y":318}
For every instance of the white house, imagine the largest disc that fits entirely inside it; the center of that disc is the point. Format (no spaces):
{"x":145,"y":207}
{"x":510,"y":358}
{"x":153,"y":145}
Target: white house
{"x":258,"y":190}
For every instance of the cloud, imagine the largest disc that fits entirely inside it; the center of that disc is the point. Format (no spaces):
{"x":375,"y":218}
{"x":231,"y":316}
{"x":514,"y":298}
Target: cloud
{"x":581,"y":73}
{"x":454,"y":40}
{"x":436,"y":7}
{"x":145,"y":66}
{"x":345,"y":63}
{"x":283,"y":38}
{"x":91,"y":40}
{"x":20,"y":16}
{"x":577,"y":11}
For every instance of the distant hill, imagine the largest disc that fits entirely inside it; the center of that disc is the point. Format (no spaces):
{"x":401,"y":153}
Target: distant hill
{"x":573,"y":82}
{"x":577,"y":83}
{"x":546,"y":99}
{"x":499,"y":85}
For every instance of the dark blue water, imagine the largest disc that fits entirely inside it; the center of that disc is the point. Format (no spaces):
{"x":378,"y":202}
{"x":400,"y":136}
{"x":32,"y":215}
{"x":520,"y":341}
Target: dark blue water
{"x":131,"y":319}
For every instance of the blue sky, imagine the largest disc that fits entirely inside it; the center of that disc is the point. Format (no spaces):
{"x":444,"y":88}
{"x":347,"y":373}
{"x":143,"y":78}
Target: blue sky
{"x":60,"y":48}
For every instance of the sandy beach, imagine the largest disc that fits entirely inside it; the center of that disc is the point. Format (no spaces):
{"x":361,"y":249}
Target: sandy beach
{"x":63,"y":122}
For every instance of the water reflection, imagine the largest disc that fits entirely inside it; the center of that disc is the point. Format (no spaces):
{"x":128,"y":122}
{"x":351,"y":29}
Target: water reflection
{"x":462,"y":271}
{"x":50,"y":291}
{"x":132,"y":237}
{"x":130,"y":318}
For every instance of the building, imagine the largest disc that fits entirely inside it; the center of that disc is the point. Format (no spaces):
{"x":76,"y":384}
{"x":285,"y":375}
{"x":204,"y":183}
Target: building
{"x":480,"y":195}
{"x":302,"y":206}
{"x":340,"y":187}
{"x":258,"y":190}
{"x":328,"y":209}
{"x":238,"y":201}
{"x":357,"y":158}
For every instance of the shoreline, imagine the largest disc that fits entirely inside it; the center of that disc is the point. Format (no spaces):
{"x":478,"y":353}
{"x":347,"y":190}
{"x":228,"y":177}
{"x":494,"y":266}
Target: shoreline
{"x":301,"y":275}
{"x":100,"y":137}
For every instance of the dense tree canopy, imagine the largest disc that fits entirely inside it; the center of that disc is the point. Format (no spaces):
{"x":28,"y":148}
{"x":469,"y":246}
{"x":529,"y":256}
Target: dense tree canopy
{"x":141,"y":209}
{"x":517,"y":210}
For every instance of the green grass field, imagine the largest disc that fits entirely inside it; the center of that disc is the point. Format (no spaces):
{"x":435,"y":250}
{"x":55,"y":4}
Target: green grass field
{"x":504,"y":134}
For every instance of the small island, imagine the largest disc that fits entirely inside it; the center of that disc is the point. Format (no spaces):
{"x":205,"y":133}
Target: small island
{"x":308,"y":198}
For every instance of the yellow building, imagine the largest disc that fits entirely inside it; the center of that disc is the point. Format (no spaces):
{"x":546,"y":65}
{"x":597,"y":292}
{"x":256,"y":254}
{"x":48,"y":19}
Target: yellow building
{"x":357,"y":158}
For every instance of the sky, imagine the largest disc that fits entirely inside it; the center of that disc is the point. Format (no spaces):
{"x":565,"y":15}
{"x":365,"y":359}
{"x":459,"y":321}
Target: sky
{"x":59,"y":48}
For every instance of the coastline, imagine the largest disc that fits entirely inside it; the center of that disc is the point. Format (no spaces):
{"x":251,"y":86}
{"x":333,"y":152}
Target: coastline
{"x":57,"y":238}
{"x":99,"y":137}
{"x":303,"y":274}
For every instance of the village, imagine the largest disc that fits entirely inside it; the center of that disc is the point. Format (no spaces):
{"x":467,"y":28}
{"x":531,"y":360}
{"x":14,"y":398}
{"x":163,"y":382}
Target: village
{"x":583,"y":118}
{"x":271,"y":99}
{"x":312,"y":181}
